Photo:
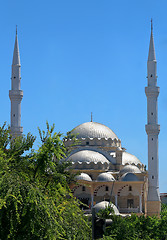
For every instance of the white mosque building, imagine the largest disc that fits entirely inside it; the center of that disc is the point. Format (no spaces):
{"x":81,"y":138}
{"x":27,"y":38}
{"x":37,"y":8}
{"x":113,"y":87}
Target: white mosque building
{"x":107,"y":172}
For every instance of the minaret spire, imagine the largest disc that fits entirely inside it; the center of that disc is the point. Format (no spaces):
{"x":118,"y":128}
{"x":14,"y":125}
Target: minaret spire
{"x":15,"y":94}
{"x":152,"y":130}
{"x":151,"y":25}
{"x":151,"y":54}
{"x":16,"y":54}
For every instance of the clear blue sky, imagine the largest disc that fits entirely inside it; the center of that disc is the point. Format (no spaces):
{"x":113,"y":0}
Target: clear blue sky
{"x":83,"y":56}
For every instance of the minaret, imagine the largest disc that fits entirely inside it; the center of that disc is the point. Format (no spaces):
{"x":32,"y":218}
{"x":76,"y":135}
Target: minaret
{"x":152,"y":130}
{"x":15,"y":94}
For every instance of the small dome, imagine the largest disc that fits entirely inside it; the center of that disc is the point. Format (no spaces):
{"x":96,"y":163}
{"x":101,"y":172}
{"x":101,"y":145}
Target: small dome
{"x":93,"y":130}
{"x":128,"y":177}
{"x":103,"y":205}
{"x":128,"y":158}
{"x":105,"y":177}
{"x":83,"y":176}
{"x":130,"y":168}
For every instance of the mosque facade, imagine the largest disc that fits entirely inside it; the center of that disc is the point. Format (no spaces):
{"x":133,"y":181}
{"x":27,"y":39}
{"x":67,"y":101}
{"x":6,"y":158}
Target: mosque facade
{"x":106,"y":171}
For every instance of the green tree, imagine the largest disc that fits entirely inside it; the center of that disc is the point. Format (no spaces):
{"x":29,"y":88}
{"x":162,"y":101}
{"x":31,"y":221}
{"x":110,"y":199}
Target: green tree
{"x":105,"y":213}
{"x":134,"y":227}
{"x":35,"y":200}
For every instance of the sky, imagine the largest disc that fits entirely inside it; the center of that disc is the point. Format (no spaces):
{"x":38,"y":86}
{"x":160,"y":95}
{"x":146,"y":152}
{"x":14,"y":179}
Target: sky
{"x":83,"y":56}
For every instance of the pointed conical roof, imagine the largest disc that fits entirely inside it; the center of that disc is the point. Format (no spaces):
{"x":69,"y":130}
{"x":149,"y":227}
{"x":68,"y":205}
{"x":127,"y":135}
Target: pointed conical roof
{"x":151,"y":54}
{"x":16,"y":55}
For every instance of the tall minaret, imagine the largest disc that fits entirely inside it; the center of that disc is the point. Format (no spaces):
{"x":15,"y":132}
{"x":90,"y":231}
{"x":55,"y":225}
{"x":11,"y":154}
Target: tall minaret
{"x":152,"y":130}
{"x":15,"y":94}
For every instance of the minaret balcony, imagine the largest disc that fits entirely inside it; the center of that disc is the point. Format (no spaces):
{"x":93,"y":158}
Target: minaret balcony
{"x":15,"y":94}
{"x":152,"y":129}
{"x":152,"y":91}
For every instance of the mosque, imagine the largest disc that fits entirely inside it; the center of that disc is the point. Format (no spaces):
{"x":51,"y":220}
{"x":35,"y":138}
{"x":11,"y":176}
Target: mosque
{"x":107,"y":172}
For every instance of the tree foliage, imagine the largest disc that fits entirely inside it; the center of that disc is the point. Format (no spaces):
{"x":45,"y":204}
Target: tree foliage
{"x":35,"y":200}
{"x":106,"y":213}
{"x":135,"y":228}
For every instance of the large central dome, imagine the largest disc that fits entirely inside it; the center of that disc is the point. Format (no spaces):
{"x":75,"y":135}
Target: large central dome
{"x":94,"y":130}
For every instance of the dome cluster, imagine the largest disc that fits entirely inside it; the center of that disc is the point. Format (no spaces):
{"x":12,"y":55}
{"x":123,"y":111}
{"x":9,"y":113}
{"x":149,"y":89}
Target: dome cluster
{"x":98,"y":149}
{"x":102,"y":177}
{"x":107,"y":177}
{"x":105,"y":170}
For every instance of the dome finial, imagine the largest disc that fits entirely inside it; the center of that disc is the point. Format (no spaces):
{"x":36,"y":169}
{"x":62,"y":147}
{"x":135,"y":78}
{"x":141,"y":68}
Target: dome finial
{"x":91,"y":117}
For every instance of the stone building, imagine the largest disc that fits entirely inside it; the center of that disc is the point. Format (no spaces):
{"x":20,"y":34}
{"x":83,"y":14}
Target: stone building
{"x":106,"y":171}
